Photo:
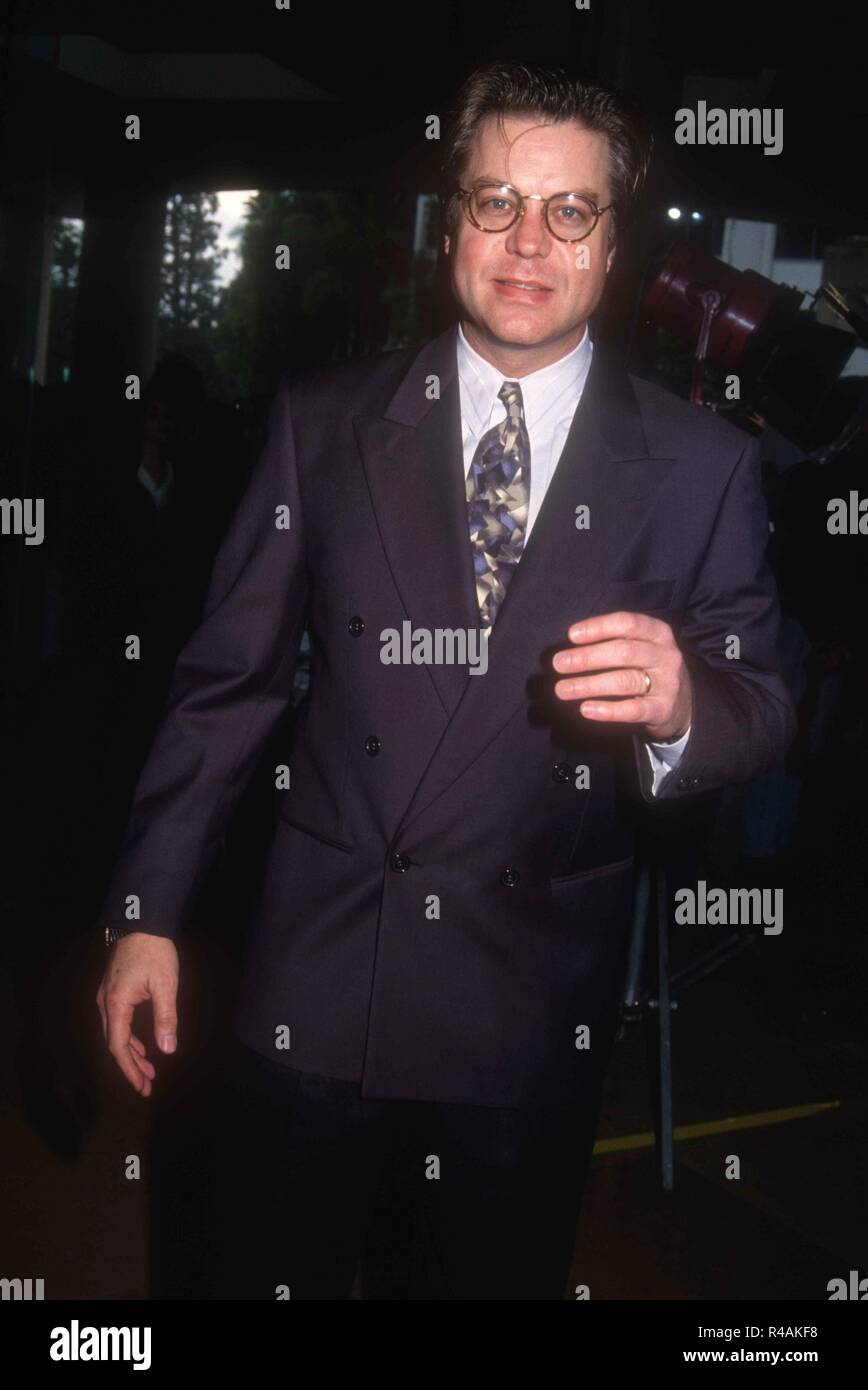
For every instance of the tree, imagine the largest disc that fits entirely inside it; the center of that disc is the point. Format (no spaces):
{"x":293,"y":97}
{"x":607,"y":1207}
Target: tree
{"x":190,"y":291}
{"x":64,"y":283}
{"x":350,"y":265}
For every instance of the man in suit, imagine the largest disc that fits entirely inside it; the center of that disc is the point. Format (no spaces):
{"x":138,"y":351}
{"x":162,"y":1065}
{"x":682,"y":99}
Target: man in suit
{"x":433,"y":978}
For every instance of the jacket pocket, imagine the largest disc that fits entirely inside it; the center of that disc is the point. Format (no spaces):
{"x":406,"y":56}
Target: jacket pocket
{"x":291,"y":819}
{"x":599,"y":871}
{"x":639,"y":594}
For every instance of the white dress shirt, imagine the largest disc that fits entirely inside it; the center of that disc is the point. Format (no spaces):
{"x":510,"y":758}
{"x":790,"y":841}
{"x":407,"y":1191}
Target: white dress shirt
{"x":550,"y":397}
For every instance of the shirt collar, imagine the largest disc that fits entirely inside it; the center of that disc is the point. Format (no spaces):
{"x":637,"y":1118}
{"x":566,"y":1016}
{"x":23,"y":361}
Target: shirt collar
{"x":557,"y":385}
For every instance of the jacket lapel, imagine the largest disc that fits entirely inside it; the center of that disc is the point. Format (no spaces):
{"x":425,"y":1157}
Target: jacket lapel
{"x":414,"y":465}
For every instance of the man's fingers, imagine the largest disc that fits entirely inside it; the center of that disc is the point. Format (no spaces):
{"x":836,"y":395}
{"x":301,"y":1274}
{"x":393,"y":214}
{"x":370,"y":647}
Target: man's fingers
{"x":645,"y":711}
{"x":147,"y":1071}
{"x":142,"y":968}
{"x":606,"y":670}
{"x":120,"y":1017}
{"x":164,"y":995}
{"x":607,"y":656}
{"x":100,"y":1003}
{"x":612,"y":684}
{"x":142,"y":1060}
{"x":619,"y":624}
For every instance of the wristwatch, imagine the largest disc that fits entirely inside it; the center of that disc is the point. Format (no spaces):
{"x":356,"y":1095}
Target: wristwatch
{"x":113,"y":934}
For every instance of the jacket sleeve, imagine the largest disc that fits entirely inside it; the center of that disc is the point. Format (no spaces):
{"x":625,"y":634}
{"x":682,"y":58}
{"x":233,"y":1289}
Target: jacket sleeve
{"x":230,"y":685}
{"x":743,"y":713}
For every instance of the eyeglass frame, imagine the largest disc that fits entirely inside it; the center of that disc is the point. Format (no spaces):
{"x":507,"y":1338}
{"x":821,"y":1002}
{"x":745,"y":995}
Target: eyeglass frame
{"x":467,"y":193}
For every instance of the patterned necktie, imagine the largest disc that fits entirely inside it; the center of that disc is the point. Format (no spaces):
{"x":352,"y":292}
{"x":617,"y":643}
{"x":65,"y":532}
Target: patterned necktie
{"x":498,"y":488}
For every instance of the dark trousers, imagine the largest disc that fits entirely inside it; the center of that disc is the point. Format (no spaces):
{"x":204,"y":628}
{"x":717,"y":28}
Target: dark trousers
{"x":425,"y":1200}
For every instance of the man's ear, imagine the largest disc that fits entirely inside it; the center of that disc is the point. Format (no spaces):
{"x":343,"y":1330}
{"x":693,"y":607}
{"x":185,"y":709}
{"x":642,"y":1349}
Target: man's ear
{"x":610,"y":256}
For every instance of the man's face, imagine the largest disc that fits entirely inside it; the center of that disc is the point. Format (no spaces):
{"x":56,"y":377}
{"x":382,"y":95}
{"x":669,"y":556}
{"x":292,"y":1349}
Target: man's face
{"x":521,"y":292}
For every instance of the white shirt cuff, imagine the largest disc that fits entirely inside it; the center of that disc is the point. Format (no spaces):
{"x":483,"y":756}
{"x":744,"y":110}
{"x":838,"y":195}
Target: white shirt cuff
{"x":664,"y":757}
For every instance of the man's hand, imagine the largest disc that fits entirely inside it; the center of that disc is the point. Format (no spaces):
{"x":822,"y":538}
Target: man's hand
{"x":619,"y":648}
{"x":140,"y":967}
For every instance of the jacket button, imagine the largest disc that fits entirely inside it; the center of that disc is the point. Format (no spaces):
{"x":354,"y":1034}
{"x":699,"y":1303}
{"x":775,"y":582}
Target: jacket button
{"x":356,"y":626}
{"x":509,"y":878}
{"x":687,"y":782}
{"x":372,"y":746}
{"x":399,"y":863}
{"x":561,"y":772}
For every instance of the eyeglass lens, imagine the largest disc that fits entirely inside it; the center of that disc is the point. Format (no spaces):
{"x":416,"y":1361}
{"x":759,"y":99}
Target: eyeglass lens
{"x":570,"y":215}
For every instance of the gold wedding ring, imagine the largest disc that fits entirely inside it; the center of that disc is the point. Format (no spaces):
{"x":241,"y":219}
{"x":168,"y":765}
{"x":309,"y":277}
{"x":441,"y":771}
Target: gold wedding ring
{"x":647,"y":681}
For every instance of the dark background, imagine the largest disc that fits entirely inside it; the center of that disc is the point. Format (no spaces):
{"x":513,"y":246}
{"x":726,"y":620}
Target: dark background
{"x":330,"y":104}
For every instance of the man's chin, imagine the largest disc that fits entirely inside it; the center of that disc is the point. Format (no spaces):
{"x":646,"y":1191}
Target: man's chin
{"x":520,"y":332}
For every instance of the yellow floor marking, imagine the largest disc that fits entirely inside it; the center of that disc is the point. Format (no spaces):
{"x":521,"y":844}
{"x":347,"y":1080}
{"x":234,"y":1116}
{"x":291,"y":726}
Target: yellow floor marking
{"x":701,"y":1131}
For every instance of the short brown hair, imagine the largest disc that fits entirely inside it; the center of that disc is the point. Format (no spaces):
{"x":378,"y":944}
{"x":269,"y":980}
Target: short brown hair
{"x":516,"y":89}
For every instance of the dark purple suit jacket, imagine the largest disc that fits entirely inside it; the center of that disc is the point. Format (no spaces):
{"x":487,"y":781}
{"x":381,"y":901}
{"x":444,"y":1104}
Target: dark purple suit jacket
{"x":413,"y":786}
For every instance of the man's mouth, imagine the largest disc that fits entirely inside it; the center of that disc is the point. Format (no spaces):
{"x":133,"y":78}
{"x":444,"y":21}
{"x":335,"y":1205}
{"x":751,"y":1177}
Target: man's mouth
{"x":532,"y":285}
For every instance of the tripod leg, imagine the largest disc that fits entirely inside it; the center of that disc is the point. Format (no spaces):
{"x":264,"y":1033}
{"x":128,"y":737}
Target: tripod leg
{"x":664,"y":1024}
{"x":638,"y":936}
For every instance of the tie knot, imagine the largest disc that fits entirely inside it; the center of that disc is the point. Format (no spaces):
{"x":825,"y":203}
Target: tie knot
{"x":510,"y":394}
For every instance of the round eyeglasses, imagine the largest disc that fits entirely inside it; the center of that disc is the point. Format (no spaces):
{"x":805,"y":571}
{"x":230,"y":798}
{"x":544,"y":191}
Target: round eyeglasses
{"x":495,"y":207}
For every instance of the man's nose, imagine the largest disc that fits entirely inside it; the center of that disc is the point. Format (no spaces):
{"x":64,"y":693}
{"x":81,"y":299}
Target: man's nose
{"x":529,"y":235}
